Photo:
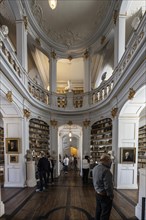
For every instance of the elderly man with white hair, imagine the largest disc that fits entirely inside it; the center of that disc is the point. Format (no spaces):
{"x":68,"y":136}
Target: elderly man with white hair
{"x":103,"y":185}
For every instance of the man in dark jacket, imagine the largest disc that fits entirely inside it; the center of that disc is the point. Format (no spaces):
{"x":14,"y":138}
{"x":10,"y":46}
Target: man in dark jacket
{"x":43,"y":167}
{"x":51,"y":168}
{"x":103,"y":185}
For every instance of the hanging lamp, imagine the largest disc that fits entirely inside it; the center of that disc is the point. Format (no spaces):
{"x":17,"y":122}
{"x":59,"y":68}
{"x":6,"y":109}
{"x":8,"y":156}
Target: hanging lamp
{"x":52,"y":4}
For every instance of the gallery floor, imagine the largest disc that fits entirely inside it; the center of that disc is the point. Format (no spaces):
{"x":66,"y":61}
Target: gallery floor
{"x":67,"y":199}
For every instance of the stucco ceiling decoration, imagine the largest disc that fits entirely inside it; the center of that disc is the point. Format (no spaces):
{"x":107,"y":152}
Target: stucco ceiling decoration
{"x":6,"y":12}
{"x":74,"y":23}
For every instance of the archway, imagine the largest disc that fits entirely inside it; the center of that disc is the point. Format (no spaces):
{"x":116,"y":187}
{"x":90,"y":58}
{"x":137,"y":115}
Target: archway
{"x":13,"y":125}
{"x":128,"y":139}
{"x":70,"y":143}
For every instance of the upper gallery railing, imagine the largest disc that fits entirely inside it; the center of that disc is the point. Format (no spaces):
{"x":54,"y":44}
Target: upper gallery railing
{"x":70,"y":101}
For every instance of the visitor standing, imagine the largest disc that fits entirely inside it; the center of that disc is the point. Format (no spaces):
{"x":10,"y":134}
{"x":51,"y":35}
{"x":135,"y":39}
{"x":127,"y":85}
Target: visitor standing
{"x":43,"y":166}
{"x":85,"y":168}
{"x":66,"y":163}
{"x":103,"y":185}
{"x":51,"y":170}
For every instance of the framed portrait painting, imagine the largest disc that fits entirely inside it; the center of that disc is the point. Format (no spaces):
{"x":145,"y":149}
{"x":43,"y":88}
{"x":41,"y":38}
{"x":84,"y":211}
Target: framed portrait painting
{"x":128,"y":155}
{"x":12,"y":145}
{"x":13,"y":158}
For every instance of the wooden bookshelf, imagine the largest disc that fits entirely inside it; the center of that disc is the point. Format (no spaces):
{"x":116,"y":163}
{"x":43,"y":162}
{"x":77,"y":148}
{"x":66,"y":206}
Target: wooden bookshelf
{"x":142,"y":147}
{"x":39,"y":136}
{"x":1,"y":146}
{"x":101,"y":138}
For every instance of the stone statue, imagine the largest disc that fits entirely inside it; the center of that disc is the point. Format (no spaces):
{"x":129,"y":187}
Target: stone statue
{"x":28,"y":155}
{"x":69,"y":86}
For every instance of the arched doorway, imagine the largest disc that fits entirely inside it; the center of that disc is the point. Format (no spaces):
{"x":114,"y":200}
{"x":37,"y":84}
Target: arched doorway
{"x":128,"y":121}
{"x":70,"y":143}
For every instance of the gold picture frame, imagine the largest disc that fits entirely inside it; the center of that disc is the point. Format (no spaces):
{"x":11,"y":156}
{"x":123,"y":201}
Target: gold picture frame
{"x":12,"y":145}
{"x":14,"y":158}
{"x":128,"y":154}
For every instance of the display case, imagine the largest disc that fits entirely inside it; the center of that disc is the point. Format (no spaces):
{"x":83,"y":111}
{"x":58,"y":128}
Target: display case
{"x":101,"y":138}
{"x":39,"y":136}
{"x":142,"y":147}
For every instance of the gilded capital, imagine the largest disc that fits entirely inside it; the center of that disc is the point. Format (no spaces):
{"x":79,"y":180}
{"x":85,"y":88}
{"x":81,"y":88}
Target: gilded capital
{"x":103,"y":38}
{"x":53,"y":55}
{"x":70,"y":58}
{"x":86,"y":54}
{"x":131,"y":93}
{"x":9,"y":96}
{"x":115,"y":16}
{"x":53,"y":123}
{"x":26,"y":113}
{"x":86,"y":123}
{"x":38,"y":42}
{"x":114,"y":112}
{"x":25,"y":19}
{"x":69,"y":123}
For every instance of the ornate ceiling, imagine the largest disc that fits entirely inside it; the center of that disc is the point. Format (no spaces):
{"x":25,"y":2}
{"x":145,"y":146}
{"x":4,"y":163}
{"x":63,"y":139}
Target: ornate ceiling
{"x":74,"y":25}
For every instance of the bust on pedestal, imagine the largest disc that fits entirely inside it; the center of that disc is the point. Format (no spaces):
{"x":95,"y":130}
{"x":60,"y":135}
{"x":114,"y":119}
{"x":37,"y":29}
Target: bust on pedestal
{"x":30,"y":169}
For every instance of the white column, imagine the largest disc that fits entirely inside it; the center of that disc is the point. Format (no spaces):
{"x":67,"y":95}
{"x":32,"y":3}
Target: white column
{"x":21,"y":33}
{"x":86,"y":140}
{"x":54,"y":146}
{"x":119,"y":38}
{"x":2,"y":207}
{"x":142,"y":193}
{"x":87,"y":76}
{"x":52,"y":72}
{"x":115,"y":147}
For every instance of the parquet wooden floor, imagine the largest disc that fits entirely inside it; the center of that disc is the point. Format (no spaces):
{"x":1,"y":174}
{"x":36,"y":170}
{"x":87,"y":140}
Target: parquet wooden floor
{"x":67,"y":199}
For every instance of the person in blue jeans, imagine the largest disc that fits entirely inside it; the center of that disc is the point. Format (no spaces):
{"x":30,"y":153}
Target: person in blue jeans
{"x":103,"y":185}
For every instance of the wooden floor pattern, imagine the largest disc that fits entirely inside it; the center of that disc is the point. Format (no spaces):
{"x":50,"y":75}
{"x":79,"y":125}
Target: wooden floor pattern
{"x":67,"y":199}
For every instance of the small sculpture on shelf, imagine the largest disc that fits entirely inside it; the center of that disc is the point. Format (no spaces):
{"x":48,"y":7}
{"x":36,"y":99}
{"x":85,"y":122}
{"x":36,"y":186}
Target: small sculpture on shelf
{"x":29,"y":156}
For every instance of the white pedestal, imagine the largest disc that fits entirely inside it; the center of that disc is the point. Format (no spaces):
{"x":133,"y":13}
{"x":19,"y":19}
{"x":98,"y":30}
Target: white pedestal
{"x":2,"y":207}
{"x":30,"y":173}
{"x":142,"y":193}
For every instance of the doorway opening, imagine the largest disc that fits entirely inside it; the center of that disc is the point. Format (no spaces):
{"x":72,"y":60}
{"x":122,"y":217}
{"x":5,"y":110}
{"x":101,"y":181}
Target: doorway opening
{"x":70,"y":144}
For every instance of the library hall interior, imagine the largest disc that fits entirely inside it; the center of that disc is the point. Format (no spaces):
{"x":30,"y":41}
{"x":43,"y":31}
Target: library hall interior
{"x":73,"y":109}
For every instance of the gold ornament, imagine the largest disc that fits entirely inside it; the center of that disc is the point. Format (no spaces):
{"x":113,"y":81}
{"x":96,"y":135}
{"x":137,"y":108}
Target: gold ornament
{"x":53,"y":55}
{"x":9,"y":96}
{"x":53,"y":123}
{"x":86,"y":54}
{"x":131,"y":93}
{"x":26,"y":113}
{"x":114,"y":112}
{"x":86,"y":123}
{"x":115,"y":16}
{"x":25,"y":19}
{"x":69,"y":123}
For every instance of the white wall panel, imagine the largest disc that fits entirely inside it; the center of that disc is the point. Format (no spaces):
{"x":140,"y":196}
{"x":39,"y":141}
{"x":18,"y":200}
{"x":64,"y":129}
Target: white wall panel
{"x":13,"y":130}
{"x":14,"y":175}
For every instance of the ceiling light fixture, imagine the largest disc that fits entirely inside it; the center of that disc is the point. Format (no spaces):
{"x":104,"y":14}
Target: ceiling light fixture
{"x":52,"y":3}
{"x":70,"y":134}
